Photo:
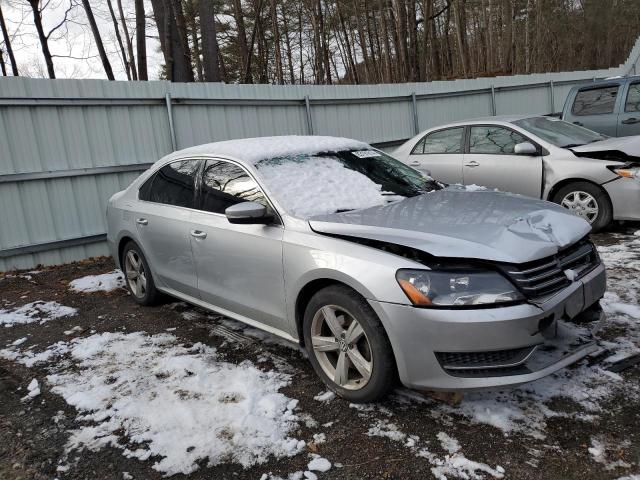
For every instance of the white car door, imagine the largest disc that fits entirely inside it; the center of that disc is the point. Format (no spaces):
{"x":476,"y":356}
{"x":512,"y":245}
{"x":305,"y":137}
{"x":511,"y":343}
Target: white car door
{"x":439,"y":154}
{"x":490,"y":161}
{"x":239,"y":267}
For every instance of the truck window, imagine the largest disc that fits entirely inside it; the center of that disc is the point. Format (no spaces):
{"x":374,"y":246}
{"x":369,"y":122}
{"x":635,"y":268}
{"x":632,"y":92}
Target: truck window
{"x":632,"y":104}
{"x":595,"y":101}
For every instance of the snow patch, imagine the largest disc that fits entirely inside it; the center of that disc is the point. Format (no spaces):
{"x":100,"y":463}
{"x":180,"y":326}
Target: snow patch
{"x":34,"y":390}
{"x":325,"y":396}
{"x":106,"y":282}
{"x":38,"y":311}
{"x":220,"y":412}
{"x":319,"y":464}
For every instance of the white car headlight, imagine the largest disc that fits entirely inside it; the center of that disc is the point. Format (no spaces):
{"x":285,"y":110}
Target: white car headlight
{"x":456,"y":288}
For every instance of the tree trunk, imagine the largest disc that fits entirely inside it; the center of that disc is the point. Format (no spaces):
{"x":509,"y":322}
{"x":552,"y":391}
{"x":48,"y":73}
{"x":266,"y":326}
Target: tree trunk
{"x":287,"y":41}
{"x":248,"y":78}
{"x":178,"y":69}
{"x":184,"y":52}
{"x":275,"y":31}
{"x":125,"y":30}
{"x":209,"y":41}
{"x":347,"y":43}
{"x":241,"y":36}
{"x":192,"y":24}
{"x":141,"y":40}
{"x":127,"y":68}
{"x":96,"y":36}
{"x":44,"y":42}
{"x":363,"y":44}
{"x":461,"y":36}
{"x":2,"y":65}
{"x":7,"y":43}
{"x":412,"y":25}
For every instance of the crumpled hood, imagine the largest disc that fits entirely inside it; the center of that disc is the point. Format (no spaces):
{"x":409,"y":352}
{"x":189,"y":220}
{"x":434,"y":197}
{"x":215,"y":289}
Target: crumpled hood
{"x":628,"y":145}
{"x":485,"y":225}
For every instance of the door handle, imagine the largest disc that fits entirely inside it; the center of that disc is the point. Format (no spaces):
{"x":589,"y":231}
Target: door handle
{"x":630,"y":121}
{"x":142,"y":221}
{"x":472,"y":163}
{"x":415,"y":163}
{"x":580,"y":124}
{"x":198,"y":234}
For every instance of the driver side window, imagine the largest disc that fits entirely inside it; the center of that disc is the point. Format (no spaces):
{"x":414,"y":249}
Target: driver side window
{"x":225,"y":184}
{"x":494,"y":140}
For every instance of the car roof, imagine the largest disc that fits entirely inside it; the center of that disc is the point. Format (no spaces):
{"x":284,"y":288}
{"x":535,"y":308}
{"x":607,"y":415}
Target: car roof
{"x":252,"y":150}
{"x":497,"y":119}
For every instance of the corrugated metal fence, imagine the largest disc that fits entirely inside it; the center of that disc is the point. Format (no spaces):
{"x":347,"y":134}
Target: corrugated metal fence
{"x":67,"y":145}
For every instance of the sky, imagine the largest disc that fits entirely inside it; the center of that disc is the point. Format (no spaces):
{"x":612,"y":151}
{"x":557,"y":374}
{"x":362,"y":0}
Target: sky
{"x":73,"y":46}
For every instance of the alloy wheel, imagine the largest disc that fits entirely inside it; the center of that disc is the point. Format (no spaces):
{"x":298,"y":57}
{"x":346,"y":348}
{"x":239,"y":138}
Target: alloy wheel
{"x":582,"y":204}
{"x":341,"y":347}
{"x":135,"y":273}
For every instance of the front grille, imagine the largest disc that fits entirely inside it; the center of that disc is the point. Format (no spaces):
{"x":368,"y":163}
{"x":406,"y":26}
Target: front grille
{"x":483,"y":360}
{"x":546,"y":276}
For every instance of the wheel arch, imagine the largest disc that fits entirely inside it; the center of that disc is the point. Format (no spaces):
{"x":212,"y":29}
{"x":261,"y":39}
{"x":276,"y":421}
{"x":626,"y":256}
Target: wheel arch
{"x":567,"y":181}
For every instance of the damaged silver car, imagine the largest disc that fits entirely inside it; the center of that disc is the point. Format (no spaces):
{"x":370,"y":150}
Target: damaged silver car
{"x":593,"y":176}
{"x":377,"y":270}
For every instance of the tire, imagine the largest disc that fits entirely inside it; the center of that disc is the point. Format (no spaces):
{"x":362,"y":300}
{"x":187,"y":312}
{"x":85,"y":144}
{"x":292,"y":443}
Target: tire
{"x":371,"y":346}
{"x":586,"y":192}
{"x":139,"y":281}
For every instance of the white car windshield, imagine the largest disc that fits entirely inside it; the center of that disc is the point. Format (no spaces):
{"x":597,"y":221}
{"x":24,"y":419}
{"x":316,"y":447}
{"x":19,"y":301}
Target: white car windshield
{"x":308,"y":185}
{"x":558,"y":132}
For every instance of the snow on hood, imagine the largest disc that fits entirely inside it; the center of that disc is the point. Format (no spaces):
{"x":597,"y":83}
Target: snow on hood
{"x":627,"y":145}
{"x":253,"y":150}
{"x":484,"y":225}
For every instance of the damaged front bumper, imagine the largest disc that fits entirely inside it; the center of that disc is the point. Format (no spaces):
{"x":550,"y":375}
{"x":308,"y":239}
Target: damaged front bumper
{"x":447,"y":349}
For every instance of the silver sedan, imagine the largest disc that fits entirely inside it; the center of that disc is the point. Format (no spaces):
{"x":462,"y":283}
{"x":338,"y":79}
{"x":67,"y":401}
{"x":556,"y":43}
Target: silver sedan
{"x":374,"y":268}
{"x":590,"y":174}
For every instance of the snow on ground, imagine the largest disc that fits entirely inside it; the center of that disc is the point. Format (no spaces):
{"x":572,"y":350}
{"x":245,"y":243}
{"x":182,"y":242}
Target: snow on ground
{"x":452,"y":465}
{"x":106,"y":282}
{"x":320,"y":185}
{"x":221,"y":412}
{"x":326,"y":396}
{"x":38,"y":311}
{"x":34,"y":390}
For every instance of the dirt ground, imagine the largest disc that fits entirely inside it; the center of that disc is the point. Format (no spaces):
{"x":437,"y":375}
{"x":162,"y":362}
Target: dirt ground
{"x":553,"y":439}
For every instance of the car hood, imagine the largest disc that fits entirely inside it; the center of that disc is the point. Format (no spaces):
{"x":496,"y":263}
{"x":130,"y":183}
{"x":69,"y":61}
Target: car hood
{"x":629,"y":146}
{"x":456,"y":223}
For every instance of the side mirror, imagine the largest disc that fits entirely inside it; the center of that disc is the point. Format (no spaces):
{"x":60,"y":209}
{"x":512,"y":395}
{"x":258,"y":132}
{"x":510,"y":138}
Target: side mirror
{"x":248,"y":213}
{"x":525,"y":148}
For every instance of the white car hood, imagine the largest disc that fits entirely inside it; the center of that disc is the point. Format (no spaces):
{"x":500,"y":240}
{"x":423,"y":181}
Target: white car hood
{"x":627,"y":145}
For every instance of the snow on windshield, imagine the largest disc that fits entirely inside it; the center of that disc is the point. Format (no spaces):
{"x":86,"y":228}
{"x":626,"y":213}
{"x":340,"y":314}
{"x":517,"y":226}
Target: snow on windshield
{"x":319,"y":185}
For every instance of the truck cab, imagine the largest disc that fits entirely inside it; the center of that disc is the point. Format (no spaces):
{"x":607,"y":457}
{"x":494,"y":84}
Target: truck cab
{"x":610,"y":106}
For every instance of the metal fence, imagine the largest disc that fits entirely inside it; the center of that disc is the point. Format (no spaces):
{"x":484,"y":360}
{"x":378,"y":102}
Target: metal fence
{"x":67,"y":145}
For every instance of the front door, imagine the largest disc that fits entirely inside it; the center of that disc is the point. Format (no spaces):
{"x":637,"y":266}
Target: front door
{"x":490,"y":161}
{"x":239,"y":267}
{"x":163,"y":217}
{"x":439,"y":154}
{"x":629,"y":118}
{"x":595,"y":108}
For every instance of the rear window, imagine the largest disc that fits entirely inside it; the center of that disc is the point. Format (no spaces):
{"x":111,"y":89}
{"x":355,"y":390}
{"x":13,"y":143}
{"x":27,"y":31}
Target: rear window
{"x":442,"y":141}
{"x":173,"y":184}
{"x":595,"y":101}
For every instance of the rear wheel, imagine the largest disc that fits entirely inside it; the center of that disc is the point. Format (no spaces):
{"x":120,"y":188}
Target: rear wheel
{"x":348,"y":346}
{"x":138,"y":276}
{"x":587,"y":201}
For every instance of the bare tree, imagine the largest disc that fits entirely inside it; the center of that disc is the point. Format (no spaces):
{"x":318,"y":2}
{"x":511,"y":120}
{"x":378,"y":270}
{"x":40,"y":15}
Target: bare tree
{"x":98,"y":39}
{"x":44,"y":39}
{"x":209,"y":41}
{"x":125,"y":30}
{"x":141,"y":40}
{"x":125,"y":60}
{"x":7,"y":46}
{"x":177,"y":61}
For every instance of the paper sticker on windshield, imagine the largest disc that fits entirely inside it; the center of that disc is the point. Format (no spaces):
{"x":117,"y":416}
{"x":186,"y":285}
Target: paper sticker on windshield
{"x":366,"y":154}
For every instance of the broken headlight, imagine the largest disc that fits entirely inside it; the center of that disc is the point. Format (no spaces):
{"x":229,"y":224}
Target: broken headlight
{"x":630,"y":170}
{"x":456,"y":288}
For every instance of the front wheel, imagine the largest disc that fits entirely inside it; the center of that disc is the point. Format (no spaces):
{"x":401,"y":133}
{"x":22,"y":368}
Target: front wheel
{"x":348,"y":346}
{"x":587,"y":201}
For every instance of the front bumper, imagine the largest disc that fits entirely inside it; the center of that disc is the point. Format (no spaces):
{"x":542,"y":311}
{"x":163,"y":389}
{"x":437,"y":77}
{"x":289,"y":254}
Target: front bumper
{"x":416,"y":334}
{"x":625,"y":198}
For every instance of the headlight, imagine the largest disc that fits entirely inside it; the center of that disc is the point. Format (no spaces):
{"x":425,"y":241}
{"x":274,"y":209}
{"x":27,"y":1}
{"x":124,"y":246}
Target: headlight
{"x":626,"y":171}
{"x":435,"y":288}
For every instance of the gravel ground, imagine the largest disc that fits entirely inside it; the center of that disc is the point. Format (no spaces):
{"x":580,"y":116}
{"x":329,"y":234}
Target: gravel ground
{"x":583,"y":423}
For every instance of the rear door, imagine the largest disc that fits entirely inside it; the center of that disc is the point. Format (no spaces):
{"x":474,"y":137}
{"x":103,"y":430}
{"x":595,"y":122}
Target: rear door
{"x":239,"y":267}
{"x":595,"y":107}
{"x":163,"y":219}
{"x":490,"y":161}
{"x":629,"y":118}
{"x":439,"y":154}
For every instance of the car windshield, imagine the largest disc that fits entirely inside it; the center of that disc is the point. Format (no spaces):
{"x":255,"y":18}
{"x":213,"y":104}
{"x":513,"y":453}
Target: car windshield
{"x":558,"y":132}
{"x":308,"y":185}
